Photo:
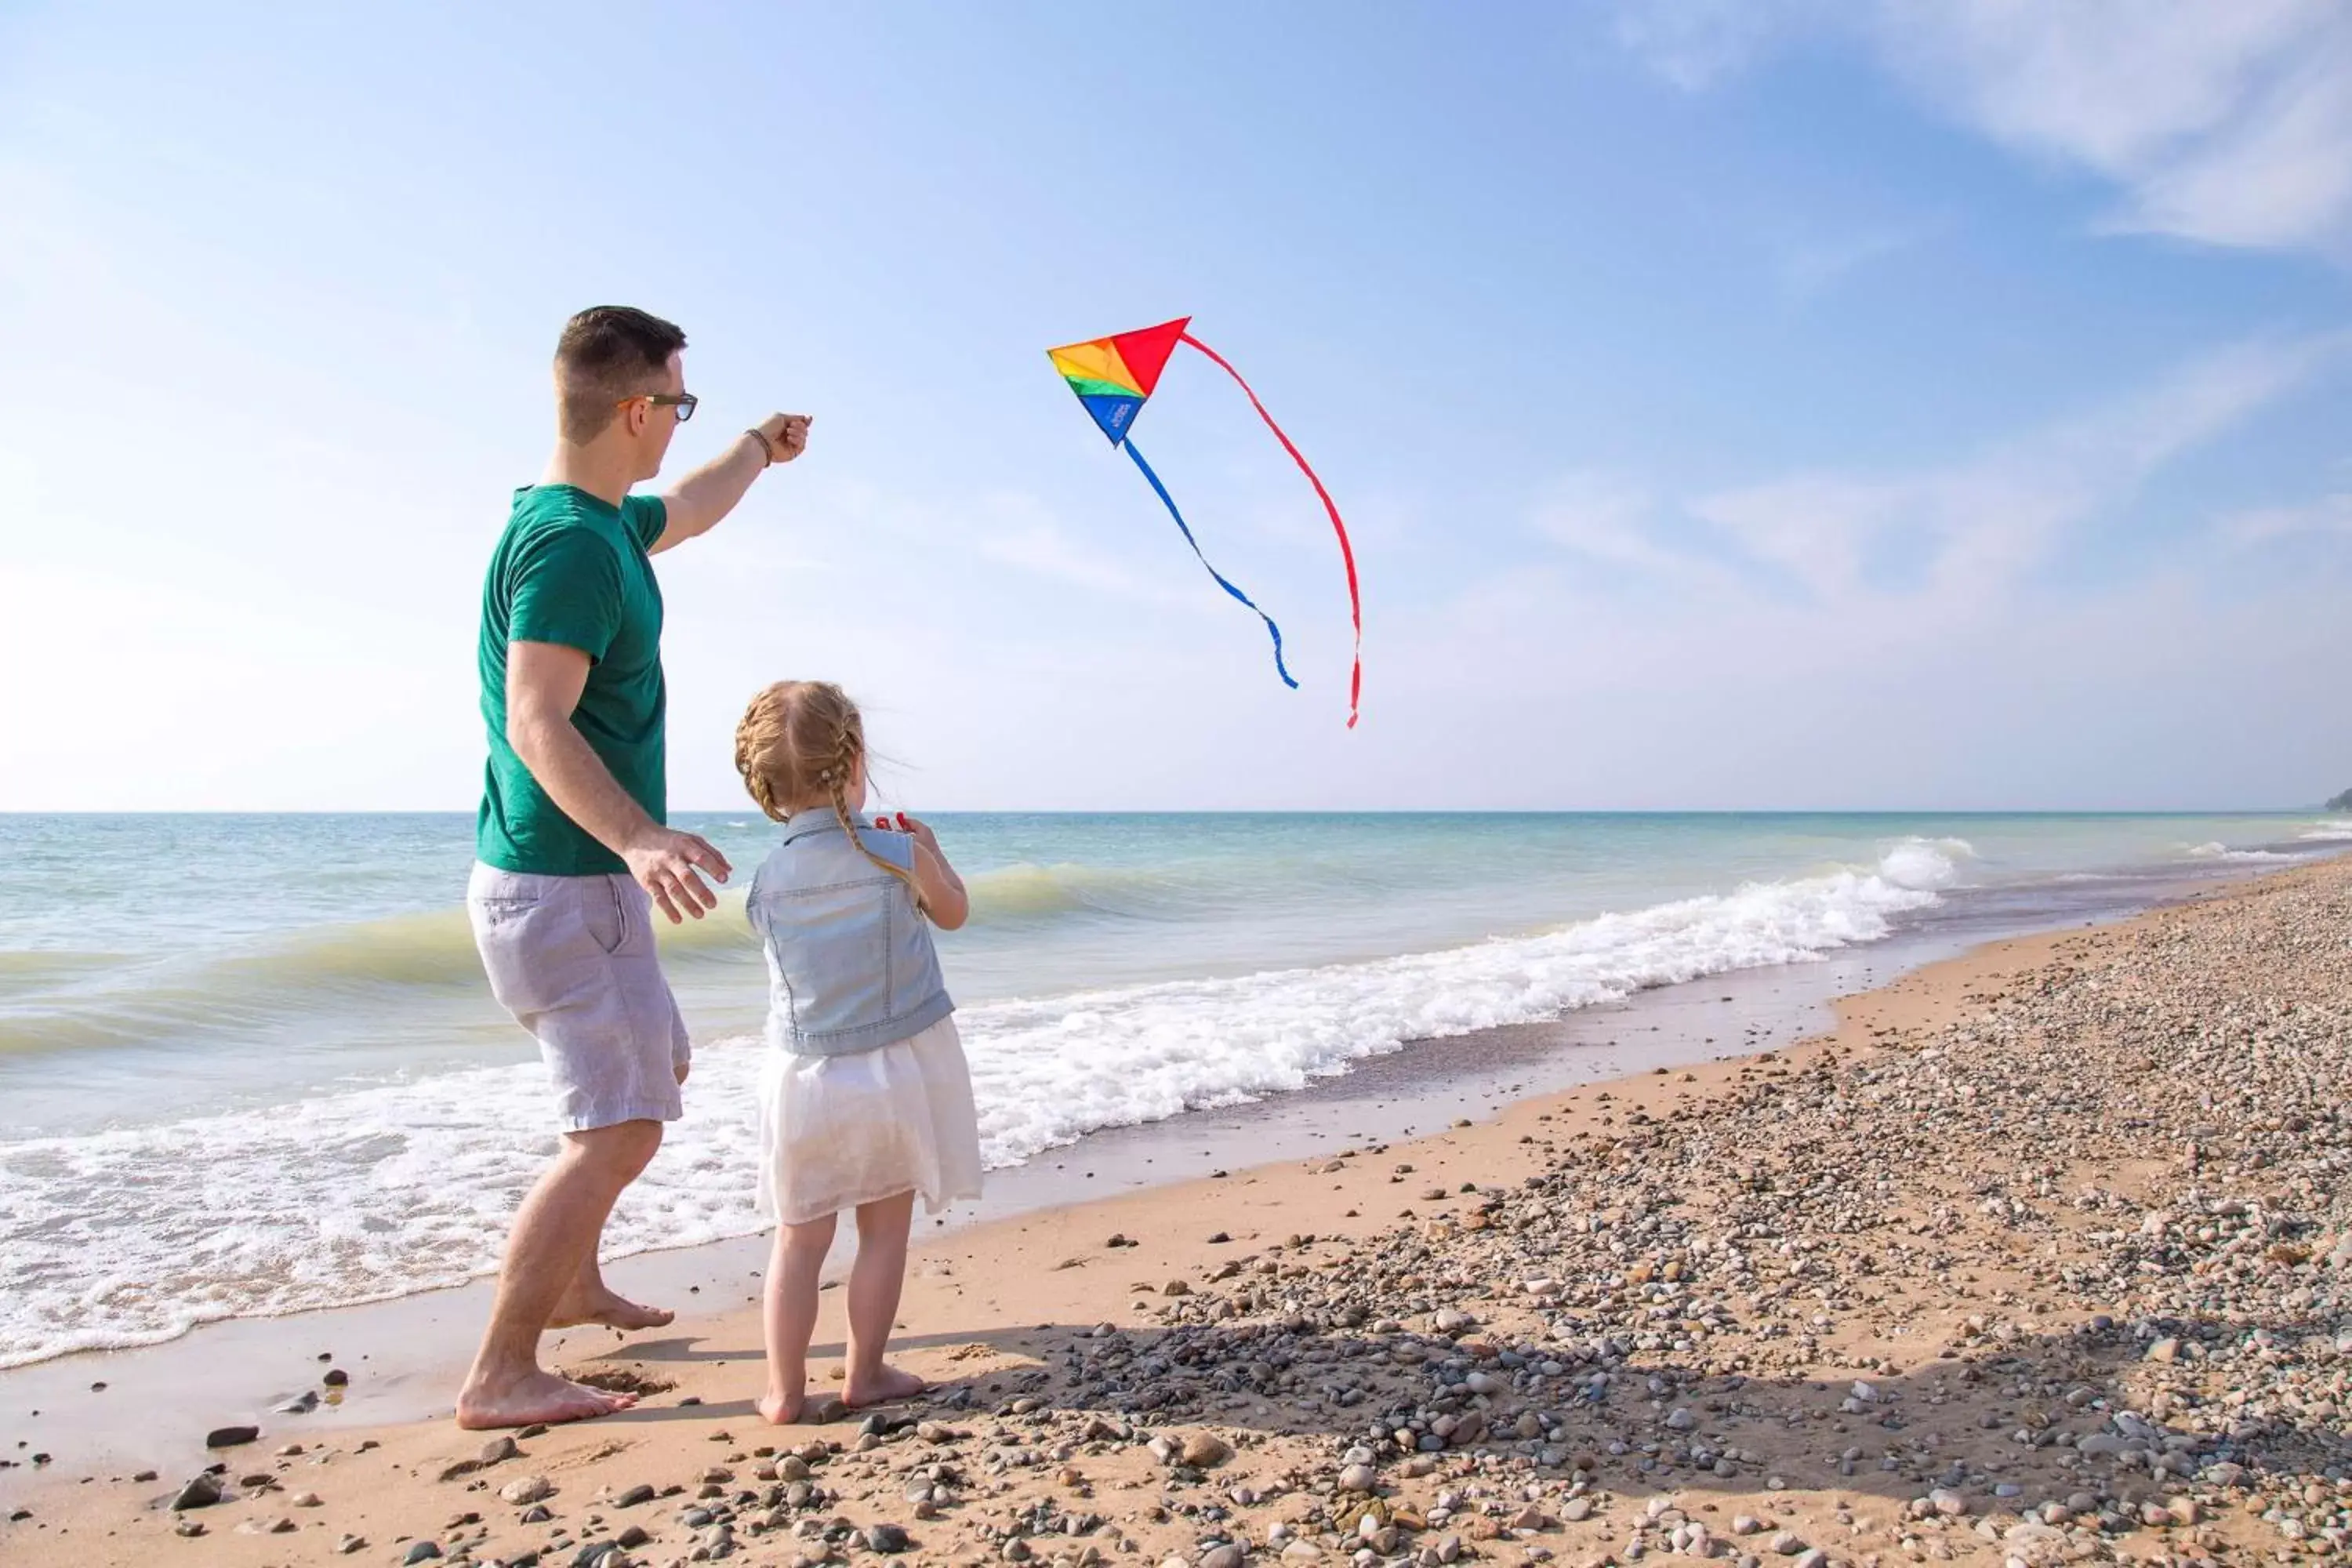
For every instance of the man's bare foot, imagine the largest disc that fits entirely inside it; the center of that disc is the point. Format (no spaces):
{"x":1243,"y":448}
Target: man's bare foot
{"x":780,"y":1412}
{"x":888,"y":1388}
{"x":602,"y":1306}
{"x":540,"y":1396}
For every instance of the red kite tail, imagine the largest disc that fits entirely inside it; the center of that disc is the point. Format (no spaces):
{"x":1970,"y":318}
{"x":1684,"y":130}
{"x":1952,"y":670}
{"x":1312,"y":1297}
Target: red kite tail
{"x":1347,"y":551}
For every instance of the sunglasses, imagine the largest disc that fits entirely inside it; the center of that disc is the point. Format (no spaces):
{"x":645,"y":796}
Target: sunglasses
{"x":684,"y":402}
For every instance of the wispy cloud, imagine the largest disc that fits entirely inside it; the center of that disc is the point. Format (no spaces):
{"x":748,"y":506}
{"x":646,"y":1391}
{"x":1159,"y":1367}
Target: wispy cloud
{"x":1605,"y":517}
{"x":1021,"y":532}
{"x":1811,"y":264}
{"x":1046,"y":550}
{"x":1697,"y":42}
{"x":1960,"y":530}
{"x":2329,"y":515}
{"x":2228,"y":124}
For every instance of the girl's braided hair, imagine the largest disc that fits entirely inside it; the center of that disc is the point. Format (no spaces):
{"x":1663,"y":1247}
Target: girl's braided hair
{"x":802,"y":740}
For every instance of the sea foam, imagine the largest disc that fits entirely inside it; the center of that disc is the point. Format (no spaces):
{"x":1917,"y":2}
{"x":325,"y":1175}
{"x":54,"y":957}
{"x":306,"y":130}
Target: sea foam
{"x":2215,"y":850}
{"x":132,"y":1236}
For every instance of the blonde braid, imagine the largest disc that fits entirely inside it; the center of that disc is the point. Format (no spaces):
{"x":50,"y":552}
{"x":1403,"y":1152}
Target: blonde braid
{"x":758,"y":739}
{"x":848,"y":747}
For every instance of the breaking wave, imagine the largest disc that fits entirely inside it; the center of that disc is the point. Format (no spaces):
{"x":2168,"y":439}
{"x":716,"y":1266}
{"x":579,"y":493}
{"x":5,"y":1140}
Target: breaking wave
{"x":132,"y":1236}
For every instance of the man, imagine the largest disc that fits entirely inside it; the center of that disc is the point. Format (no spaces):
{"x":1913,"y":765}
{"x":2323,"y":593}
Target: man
{"x":571,"y":839}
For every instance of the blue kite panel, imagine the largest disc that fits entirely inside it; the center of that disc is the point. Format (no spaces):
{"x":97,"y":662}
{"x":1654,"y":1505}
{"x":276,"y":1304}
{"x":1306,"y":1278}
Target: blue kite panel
{"x":1113,"y":414}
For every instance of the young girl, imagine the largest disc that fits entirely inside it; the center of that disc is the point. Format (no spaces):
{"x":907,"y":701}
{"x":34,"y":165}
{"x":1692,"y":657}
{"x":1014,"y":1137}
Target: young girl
{"x":864,"y":1100}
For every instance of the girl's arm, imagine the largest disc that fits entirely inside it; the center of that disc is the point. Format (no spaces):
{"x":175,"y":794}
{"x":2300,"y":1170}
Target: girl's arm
{"x":937,"y":886}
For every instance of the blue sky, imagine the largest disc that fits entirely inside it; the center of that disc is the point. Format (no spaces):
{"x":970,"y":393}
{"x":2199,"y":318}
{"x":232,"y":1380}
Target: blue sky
{"x":1758,"y":404}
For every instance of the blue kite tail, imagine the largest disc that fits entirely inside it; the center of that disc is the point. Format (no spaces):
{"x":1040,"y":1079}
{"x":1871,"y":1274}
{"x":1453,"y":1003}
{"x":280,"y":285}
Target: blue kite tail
{"x":1169,"y":502}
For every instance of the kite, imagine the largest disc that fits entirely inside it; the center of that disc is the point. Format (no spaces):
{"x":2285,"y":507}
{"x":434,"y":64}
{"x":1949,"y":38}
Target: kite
{"x":1113,"y":375}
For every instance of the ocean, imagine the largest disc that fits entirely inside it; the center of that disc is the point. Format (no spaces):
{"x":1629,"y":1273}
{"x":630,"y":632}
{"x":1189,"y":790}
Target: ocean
{"x":248,"y":1065}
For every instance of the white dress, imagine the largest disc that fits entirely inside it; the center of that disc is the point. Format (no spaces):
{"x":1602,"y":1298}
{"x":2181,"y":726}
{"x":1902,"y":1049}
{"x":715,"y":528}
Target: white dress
{"x":839,"y":1132}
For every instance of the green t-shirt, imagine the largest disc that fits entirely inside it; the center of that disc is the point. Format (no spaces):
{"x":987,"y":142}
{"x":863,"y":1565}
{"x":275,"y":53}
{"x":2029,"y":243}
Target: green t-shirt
{"x":571,"y":569}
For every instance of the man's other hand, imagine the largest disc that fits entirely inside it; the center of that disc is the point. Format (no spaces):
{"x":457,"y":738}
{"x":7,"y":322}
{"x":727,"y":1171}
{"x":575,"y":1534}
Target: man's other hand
{"x":666,"y":863}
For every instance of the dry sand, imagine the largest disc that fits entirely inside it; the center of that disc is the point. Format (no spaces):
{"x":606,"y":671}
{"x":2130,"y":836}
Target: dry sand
{"x":2045,"y":1255}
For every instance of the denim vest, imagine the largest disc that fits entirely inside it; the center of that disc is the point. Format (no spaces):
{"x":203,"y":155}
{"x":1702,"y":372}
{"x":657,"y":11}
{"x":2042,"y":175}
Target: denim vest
{"x":850,"y":961}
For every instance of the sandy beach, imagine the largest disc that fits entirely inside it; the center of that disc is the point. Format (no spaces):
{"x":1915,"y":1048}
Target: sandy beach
{"x":2042,"y":1254}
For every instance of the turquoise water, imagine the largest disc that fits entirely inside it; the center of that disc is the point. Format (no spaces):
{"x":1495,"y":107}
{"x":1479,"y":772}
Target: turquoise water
{"x":249,"y":1063}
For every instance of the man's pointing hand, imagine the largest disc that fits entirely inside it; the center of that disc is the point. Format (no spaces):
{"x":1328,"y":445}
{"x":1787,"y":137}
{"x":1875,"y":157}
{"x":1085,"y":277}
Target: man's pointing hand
{"x":787,"y":434}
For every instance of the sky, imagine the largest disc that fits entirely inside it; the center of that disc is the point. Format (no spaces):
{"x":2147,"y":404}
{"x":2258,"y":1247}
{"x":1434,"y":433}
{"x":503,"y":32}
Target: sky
{"x":1735,"y":404}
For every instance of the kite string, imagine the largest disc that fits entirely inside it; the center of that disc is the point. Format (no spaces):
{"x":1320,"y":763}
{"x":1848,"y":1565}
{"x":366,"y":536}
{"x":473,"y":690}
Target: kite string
{"x":1347,"y":551}
{"x":1169,"y":502}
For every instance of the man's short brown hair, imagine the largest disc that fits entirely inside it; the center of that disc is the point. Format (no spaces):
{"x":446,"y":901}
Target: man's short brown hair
{"x":608,"y":353}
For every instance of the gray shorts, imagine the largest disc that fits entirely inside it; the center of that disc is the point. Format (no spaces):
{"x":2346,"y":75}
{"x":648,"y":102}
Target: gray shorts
{"x":572,"y":959}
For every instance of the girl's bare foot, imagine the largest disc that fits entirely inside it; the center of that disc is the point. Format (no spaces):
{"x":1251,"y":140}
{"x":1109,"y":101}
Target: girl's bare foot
{"x":886,"y":1387}
{"x":602,"y":1306}
{"x":539,"y":1396}
{"x":778,"y":1411}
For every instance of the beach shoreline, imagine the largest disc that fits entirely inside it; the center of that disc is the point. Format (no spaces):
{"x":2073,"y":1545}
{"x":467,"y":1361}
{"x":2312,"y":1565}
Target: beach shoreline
{"x":257,"y":1120}
{"x":1016,"y":1301}
{"x":413,"y":1348}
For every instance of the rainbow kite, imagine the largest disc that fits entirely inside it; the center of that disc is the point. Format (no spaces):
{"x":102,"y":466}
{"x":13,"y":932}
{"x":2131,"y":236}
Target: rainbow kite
{"x":1113,"y":375}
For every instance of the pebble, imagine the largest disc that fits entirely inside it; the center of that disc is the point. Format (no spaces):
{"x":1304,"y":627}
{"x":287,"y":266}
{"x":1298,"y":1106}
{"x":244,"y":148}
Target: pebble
{"x":1360,"y":1479}
{"x":886,"y":1538}
{"x":640,"y":1493}
{"x":529,"y":1490}
{"x":201,"y":1491}
{"x":230,"y":1436}
{"x":421,"y":1552}
{"x":1205,"y":1450}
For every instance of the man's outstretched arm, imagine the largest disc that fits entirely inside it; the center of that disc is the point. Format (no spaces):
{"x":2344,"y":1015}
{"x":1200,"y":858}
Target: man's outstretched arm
{"x":698,"y":501}
{"x":544,"y":680}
